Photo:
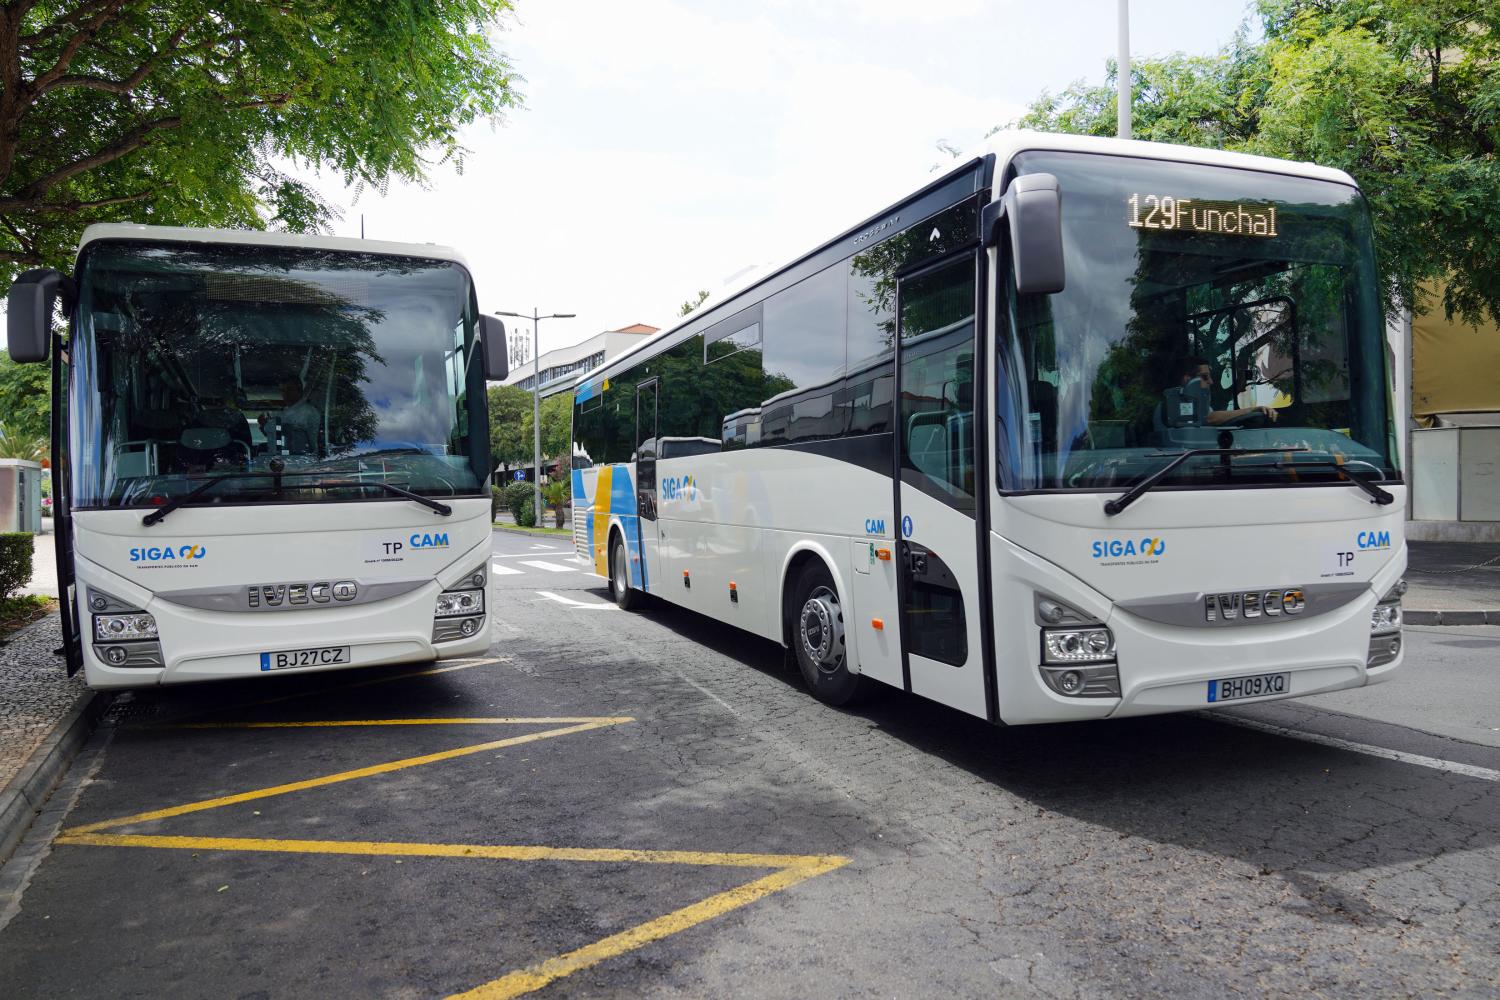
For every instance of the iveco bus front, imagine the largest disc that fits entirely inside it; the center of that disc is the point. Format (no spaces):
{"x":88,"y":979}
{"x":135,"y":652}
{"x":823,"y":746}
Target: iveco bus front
{"x":270,"y":452}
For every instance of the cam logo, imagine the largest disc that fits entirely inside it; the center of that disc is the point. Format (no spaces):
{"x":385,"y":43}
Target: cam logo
{"x":418,"y":540}
{"x":1116,"y":548}
{"x":679,"y":488}
{"x":875,"y":526}
{"x":1373,"y":540}
{"x":159,"y":553}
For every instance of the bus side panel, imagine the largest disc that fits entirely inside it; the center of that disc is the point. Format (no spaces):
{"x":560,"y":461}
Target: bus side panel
{"x":605,"y":496}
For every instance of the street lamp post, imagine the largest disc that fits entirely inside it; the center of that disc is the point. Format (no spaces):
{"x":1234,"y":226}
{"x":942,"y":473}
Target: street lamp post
{"x":536,"y":400}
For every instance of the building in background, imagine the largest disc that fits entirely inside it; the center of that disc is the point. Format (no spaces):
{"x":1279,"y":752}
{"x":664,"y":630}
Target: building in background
{"x":560,"y":367}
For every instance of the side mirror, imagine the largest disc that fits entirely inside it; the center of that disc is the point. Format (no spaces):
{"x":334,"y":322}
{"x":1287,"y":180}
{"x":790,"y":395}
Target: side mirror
{"x":29,"y":312}
{"x":1033,"y":205}
{"x":496,"y":352}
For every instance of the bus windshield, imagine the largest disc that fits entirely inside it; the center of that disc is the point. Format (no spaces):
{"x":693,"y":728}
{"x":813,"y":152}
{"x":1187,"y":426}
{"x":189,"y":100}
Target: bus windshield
{"x":192,"y":362}
{"x":1205,"y":308}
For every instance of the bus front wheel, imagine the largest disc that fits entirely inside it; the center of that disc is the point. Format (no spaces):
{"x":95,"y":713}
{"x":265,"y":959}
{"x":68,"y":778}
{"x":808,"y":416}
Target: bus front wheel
{"x":619,"y":578}
{"x":817,"y":637}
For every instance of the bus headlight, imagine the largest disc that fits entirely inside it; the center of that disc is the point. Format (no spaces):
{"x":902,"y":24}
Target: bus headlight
{"x":1077,"y":645}
{"x":457,"y":603}
{"x":124,"y":628}
{"x":1386,"y":618}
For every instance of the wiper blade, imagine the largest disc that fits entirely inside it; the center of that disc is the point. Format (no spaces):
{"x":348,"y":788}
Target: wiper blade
{"x":197,"y":491}
{"x":428,"y":502}
{"x":157,"y":515}
{"x":1140,"y":489}
{"x":1377,"y":495}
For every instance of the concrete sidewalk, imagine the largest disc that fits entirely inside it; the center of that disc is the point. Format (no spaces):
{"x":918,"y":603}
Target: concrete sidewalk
{"x":1453,"y":583}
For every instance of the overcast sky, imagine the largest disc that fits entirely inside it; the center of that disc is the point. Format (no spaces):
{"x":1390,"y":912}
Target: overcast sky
{"x":666,"y":145}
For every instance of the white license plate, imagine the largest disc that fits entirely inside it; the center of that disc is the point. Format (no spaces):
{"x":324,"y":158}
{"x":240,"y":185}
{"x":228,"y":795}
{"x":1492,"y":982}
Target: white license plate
{"x":1257,"y":686}
{"x":288,"y":659}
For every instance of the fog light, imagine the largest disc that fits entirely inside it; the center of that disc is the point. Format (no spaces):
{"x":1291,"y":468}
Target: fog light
{"x":116,"y":655}
{"x":453,"y":603}
{"x":1087,"y":645}
{"x":1070,"y":681}
{"x":469,"y":626}
{"x":477,"y":580}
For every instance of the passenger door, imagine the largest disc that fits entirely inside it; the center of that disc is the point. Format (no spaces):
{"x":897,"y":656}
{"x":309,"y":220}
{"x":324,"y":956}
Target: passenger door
{"x":937,"y":482}
{"x":645,"y":479}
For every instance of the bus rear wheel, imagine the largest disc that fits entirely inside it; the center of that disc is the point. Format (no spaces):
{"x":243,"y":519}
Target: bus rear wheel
{"x":817,"y":636}
{"x":619,"y":578}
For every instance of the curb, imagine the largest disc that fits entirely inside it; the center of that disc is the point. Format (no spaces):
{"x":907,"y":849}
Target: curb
{"x":25,"y":794}
{"x":523,"y":532}
{"x":1481,"y":617}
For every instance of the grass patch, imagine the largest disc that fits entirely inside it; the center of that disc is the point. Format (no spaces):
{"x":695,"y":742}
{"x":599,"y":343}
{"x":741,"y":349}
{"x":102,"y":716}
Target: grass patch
{"x":23,"y":609}
{"x":556,"y":532}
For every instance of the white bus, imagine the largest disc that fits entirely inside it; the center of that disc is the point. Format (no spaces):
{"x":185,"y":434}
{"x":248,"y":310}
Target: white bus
{"x":1084,"y":428}
{"x":270,"y":452}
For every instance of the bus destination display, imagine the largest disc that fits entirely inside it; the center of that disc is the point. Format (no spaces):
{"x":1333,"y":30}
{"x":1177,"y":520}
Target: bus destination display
{"x":1188,"y":215}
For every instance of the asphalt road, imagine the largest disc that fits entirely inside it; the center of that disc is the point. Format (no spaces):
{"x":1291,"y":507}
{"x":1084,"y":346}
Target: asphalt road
{"x":649,"y":805}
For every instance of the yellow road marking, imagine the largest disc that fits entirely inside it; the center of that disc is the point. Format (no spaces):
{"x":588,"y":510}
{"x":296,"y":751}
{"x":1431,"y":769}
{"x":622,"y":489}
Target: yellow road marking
{"x":534,"y":977}
{"x":332,"y":779}
{"x":481,"y":721}
{"x":493,"y":852}
{"x":790,"y":868}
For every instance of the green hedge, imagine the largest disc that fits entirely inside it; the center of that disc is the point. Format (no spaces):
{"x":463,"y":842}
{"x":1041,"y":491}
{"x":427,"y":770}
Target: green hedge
{"x":516,"y":496}
{"x":15,"y":561}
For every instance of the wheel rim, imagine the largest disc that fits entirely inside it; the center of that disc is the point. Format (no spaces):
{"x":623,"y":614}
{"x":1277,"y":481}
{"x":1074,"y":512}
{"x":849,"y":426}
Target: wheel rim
{"x":619,"y":576}
{"x":820,"y":630}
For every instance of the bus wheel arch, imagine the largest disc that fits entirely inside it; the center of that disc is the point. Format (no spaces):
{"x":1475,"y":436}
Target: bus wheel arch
{"x":814,"y":619}
{"x":625,"y":597}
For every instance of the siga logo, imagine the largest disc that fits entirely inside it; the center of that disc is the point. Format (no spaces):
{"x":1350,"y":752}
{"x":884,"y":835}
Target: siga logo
{"x":159,"y":553}
{"x":1115,"y":548}
{"x":1373,"y":540}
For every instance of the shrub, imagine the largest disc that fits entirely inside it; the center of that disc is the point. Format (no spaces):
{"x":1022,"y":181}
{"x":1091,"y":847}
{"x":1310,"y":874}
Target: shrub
{"x":15,"y":561}
{"x":526,"y":515}
{"x":497,"y":502}
{"x":517,"y":494}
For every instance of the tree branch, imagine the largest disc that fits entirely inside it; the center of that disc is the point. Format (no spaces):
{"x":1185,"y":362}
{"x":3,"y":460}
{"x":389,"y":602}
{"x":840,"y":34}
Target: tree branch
{"x":120,"y":87}
{"x":137,"y":137}
{"x":70,"y":48}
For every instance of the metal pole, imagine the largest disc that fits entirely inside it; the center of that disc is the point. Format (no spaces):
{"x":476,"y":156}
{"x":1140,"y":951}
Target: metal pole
{"x":1124,"y":88}
{"x":536,"y":411}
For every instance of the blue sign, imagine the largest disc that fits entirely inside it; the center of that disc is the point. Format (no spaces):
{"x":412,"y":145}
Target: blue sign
{"x":906,"y":526}
{"x":519,"y":475}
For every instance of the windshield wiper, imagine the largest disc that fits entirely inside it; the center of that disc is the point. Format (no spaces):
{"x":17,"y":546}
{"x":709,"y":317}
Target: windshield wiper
{"x":197,"y":491}
{"x":1119,"y":503}
{"x":1360,"y":479}
{"x":157,"y":515}
{"x":428,"y":502}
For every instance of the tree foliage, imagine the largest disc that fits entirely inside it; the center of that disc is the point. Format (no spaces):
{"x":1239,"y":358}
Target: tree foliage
{"x":510,"y":433}
{"x":1405,"y":97}
{"x":25,"y":401}
{"x":557,"y":426}
{"x":183,"y":111}
{"x":693,"y":303}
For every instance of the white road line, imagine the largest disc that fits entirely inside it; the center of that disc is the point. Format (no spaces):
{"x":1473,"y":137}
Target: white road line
{"x":550,"y":567}
{"x":1437,"y":764}
{"x":500,"y":569}
{"x":560,"y":599}
{"x":548,"y":548}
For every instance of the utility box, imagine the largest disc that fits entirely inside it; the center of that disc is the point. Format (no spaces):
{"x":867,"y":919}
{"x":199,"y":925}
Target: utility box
{"x":20,"y":495}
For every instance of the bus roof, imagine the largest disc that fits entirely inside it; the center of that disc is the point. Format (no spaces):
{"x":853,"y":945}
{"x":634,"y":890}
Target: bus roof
{"x":256,"y":238}
{"x":1002,"y":146}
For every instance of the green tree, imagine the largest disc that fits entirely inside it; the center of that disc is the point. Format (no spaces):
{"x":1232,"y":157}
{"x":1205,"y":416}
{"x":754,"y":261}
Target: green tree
{"x":1405,"y":97}
{"x":25,"y":400}
{"x":179,"y":111}
{"x":692,"y":303}
{"x":510,"y":429}
{"x":557,"y":426}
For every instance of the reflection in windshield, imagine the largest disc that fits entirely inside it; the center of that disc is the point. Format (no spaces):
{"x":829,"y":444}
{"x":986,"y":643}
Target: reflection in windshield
{"x":194,"y":362}
{"x":1205,"y":308}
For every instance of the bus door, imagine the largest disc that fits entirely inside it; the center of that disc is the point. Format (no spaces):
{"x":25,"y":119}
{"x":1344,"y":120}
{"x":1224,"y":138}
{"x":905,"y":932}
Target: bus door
{"x":937,"y":484}
{"x":646,"y":448}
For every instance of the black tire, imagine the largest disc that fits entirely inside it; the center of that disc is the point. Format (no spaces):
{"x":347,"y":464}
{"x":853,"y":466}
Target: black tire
{"x":815,"y":627}
{"x":619,"y":578}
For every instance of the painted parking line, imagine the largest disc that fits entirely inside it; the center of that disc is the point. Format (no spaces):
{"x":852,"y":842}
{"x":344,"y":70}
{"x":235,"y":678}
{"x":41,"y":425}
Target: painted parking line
{"x":500,"y":569}
{"x":1436,"y":763}
{"x":787,"y":869}
{"x":589,"y":605}
{"x":551,"y":567}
